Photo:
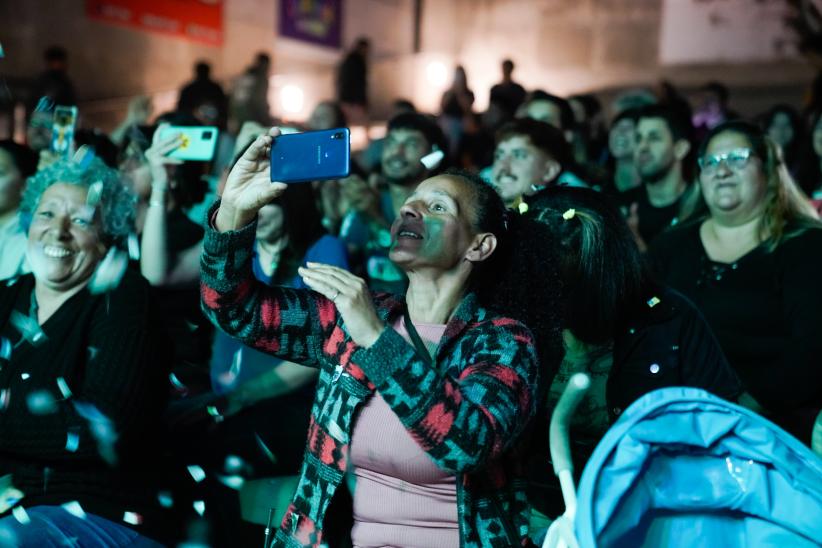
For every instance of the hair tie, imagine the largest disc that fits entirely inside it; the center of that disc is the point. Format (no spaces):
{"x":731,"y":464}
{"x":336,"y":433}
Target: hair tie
{"x":522,"y":208}
{"x":569,"y":214}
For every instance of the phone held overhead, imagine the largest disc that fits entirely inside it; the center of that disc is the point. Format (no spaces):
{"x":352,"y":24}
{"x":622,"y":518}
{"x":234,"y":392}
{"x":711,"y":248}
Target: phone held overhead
{"x":311,"y":156}
{"x":62,"y":130}
{"x":198,"y":142}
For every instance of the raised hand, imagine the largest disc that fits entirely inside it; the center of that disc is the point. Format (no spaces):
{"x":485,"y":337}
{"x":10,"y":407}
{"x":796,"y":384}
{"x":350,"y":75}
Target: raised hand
{"x":352,"y":298}
{"x":248,"y":186}
{"x":158,"y":159}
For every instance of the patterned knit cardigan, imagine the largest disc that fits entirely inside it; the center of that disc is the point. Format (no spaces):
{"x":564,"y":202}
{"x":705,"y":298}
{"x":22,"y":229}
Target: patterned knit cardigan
{"x":468,"y":412}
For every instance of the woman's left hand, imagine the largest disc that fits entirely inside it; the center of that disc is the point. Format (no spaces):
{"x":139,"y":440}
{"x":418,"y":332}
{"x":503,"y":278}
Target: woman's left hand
{"x":352,"y":298}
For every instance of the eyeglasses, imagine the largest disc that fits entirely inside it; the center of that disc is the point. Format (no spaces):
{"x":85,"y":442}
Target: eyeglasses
{"x":735,"y":159}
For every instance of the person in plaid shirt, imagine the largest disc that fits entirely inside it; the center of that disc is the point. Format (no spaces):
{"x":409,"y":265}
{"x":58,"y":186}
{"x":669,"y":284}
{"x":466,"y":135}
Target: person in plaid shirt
{"x":463,"y":398}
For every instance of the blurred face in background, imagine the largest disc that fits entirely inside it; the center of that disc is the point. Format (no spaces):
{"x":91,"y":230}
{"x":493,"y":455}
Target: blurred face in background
{"x":518,"y":164}
{"x":270,"y":226}
{"x":543,"y":111}
{"x":817,"y":137}
{"x":11,"y":183}
{"x":622,"y":139}
{"x":324,"y":116}
{"x":38,"y":132}
{"x":654,"y":155}
{"x":781,"y":130}
{"x":402,"y":153}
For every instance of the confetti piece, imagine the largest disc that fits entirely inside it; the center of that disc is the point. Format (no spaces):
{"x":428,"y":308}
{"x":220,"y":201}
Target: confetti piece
{"x":233,"y":464}
{"x":133,"y":518}
{"x":45,"y":104}
{"x":569,"y":214}
{"x":196,"y":472}
{"x":175,"y":382}
{"x":653,"y":301}
{"x":41,"y":402}
{"x":102,"y":429}
{"x":28,"y":327}
{"x":133,"y":247}
{"x":109,"y":272}
{"x":64,"y":387}
{"x":433,"y":159}
{"x":165,"y":499}
{"x":2,"y":53}
{"x":11,"y":282}
{"x":95,"y":193}
{"x":192,"y":326}
{"x":83,"y":156}
{"x":5,"y":396}
{"x":92,"y":352}
{"x":74,"y":509}
{"x":21,"y":515}
{"x":266,"y":451}
{"x":5,"y":348}
{"x":232,"y":482}
{"x":72,"y":442}
{"x":199,"y":507}
{"x":25,"y":376}
{"x":214,"y":412}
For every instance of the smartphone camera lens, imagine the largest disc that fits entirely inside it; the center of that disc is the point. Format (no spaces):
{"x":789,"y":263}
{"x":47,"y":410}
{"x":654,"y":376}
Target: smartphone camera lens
{"x":207,"y":135}
{"x":338,"y":135}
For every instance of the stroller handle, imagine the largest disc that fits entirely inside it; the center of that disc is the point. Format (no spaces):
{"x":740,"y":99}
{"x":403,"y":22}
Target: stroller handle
{"x":561,"y":422}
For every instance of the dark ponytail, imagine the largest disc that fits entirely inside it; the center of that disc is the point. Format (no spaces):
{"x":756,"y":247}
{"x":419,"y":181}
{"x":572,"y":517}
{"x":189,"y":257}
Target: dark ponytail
{"x":520,"y":280}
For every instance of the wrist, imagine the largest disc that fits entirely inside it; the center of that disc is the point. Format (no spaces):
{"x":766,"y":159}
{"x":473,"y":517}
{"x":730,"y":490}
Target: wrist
{"x":229,"y":219}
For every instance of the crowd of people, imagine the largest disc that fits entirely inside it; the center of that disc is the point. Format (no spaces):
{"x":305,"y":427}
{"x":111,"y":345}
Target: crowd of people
{"x":395,"y":341}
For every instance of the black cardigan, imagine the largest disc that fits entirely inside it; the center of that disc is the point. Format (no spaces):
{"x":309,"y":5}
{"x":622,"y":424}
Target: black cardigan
{"x":105,"y":350}
{"x":766,"y":311}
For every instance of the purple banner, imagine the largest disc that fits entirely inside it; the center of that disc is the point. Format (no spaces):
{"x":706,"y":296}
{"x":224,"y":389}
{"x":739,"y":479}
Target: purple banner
{"x":316,"y":21}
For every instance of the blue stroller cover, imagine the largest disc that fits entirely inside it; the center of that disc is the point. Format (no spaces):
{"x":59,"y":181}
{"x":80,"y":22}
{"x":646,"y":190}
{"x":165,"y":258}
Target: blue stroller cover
{"x":682,"y":467}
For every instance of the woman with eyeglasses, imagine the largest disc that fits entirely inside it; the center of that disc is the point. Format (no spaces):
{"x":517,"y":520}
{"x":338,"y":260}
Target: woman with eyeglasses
{"x":750,"y":260}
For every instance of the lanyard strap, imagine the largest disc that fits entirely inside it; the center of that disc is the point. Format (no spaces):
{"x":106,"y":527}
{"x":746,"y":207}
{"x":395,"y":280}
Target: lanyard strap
{"x":422,"y":350}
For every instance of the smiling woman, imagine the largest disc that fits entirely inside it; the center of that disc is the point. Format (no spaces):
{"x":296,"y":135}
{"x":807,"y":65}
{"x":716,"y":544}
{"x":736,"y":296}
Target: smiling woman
{"x":750,"y":261}
{"x":83,"y":380}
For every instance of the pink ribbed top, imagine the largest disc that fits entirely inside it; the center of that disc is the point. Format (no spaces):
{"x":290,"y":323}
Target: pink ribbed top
{"x":401,"y":498}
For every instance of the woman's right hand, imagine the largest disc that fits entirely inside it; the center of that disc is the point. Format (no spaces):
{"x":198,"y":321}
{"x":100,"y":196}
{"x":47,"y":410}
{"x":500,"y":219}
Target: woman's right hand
{"x":248,"y":187}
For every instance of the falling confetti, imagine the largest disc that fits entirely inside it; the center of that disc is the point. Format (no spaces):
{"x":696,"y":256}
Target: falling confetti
{"x":45,"y":104}
{"x":165,"y":499}
{"x":653,"y":301}
{"x":11,"y":281}
{"x":266,"y":451}
{"x":5,"y":348}
{"x":133,"y":518}
{"x":92,"y":352}
{"x":178,"y":386}
{"x":196,"y":472}
{"x":72,"y":442}
{"x":133,"y":247}
{"x":5,"y":395}
{"x":28,"y":327}
{"x":25,"y":376}
{"x":232,"y":482}
{"x":95,"y":192}
{"x":74,"y":509}
{"x":199,"y":507}
{"x":102,"y":429}
{"x":109,"y":272}
{"x":233,"y":464}
{"x":21,"y":515}
{"x":41,"y":402}
{"x":64,"y":387}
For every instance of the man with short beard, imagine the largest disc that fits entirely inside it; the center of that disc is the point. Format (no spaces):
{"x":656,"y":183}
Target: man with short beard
{"x":662,"y":147}
{"x":529,"y":156}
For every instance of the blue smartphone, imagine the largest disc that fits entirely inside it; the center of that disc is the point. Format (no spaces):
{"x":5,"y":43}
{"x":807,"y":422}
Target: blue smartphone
{"x":311,"y":156}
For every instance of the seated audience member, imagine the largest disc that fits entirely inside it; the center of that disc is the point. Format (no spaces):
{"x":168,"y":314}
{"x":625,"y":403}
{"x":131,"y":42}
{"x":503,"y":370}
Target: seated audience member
{"x":551,"y":109}
{"x":371,"y":157}
{"x":17,"y":162}
{"x":432,"y":449}
{"x":810,"y":170}
{"x":83,"y":375}
{"x":621,"y":146}
{"x":750,"y":261}
{"x":661,"y":157}
{"x":411,"y":136}
{"x":628,"y":333}
{"x":530,"y":155}
{"x":170,"y":243}
{"x":784,"y":126}
{"x":589,"y":129}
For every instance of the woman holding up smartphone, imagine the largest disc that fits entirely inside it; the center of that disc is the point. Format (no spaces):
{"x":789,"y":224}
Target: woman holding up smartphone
{"x":423,"y":399}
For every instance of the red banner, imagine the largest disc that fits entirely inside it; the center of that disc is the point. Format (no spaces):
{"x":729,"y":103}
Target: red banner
{"x":196,"y":20}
